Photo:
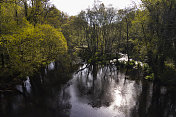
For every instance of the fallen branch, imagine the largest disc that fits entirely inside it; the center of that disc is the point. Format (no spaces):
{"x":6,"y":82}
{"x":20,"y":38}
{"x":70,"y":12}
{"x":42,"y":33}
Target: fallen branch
{"x":83,"y":68}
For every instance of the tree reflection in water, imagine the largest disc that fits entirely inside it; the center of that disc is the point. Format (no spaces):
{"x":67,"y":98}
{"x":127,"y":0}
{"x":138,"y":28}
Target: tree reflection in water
{"x":106,"y":87}
{"x":96,"y":91}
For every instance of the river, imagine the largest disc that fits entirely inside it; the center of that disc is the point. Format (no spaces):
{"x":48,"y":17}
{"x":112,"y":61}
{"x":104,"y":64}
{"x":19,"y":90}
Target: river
{"x":96,"y":91}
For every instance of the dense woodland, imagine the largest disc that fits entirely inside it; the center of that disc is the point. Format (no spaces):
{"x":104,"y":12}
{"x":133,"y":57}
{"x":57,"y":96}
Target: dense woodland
{"x":34,"y":33}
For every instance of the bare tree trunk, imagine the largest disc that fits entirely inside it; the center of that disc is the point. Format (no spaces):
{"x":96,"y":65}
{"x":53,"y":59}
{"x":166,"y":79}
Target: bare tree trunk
{"x":26,"y":8}
{"x":16,"y":12}
{"x":2,"y":59}
{"x":127,"y":46}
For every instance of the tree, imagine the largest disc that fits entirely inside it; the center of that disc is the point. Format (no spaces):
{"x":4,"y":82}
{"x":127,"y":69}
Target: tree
{"x":30,"y":47}
{"x":161,"y":23}
{"x":100,"y":30}
{"x":25,"y":44}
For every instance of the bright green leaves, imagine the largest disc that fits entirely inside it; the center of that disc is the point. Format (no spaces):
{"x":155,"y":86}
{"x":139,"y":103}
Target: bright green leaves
{"x":7,"y":21}
{"x":54,"y":17}
{"x":30,"y":47}
{"x":53,"y":40}
{"x":26,"y":40}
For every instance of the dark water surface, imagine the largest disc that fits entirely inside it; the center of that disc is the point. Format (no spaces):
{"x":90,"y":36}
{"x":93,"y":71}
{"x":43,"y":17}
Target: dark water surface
{"x":92,"y":92}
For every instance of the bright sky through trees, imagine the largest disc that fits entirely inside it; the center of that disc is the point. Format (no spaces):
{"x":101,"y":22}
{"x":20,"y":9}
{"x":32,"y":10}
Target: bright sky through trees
{"x":73,"y":7}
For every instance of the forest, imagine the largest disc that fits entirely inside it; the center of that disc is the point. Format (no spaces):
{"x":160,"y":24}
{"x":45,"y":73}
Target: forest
{"x":34,"y":34}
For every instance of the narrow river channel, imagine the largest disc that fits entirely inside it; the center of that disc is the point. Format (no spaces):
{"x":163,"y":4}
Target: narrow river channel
{"x":99,"y":91}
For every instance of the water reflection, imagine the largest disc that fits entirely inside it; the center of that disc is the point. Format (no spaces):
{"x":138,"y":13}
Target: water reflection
{"x":94,"y":91}
{"x":107,"y":90}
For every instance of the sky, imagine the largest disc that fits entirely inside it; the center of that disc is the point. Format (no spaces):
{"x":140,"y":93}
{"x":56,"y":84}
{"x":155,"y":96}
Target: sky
{"x":73,"y":7}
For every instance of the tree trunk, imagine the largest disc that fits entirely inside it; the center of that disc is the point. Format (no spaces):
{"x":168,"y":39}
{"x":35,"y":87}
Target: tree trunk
{"x":26,"y":9}
{"x":127,"y":47}
{"x":2,"y":59}
{"x":16,"y":12}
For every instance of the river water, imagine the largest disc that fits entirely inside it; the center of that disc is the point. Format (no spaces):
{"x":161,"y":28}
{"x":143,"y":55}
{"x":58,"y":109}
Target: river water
{"x":95,"y":91}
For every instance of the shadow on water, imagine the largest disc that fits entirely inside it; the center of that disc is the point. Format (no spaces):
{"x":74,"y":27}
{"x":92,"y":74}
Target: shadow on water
{"x":94,"y":91}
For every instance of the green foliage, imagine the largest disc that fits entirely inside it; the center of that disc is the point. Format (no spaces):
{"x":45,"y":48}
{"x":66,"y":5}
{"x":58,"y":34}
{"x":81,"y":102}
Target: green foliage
{"x":30,"y":47}
{"x":54,"y":17}
{"x":35,"y":33}
{"x":150,"y":77}
{"x":131,"y":63}
{"x":7,"y":20}
{"x":98,"y":30}
{"x":147,"y":69}
{"x":26,"y":42}
{"x":169,"y":64}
